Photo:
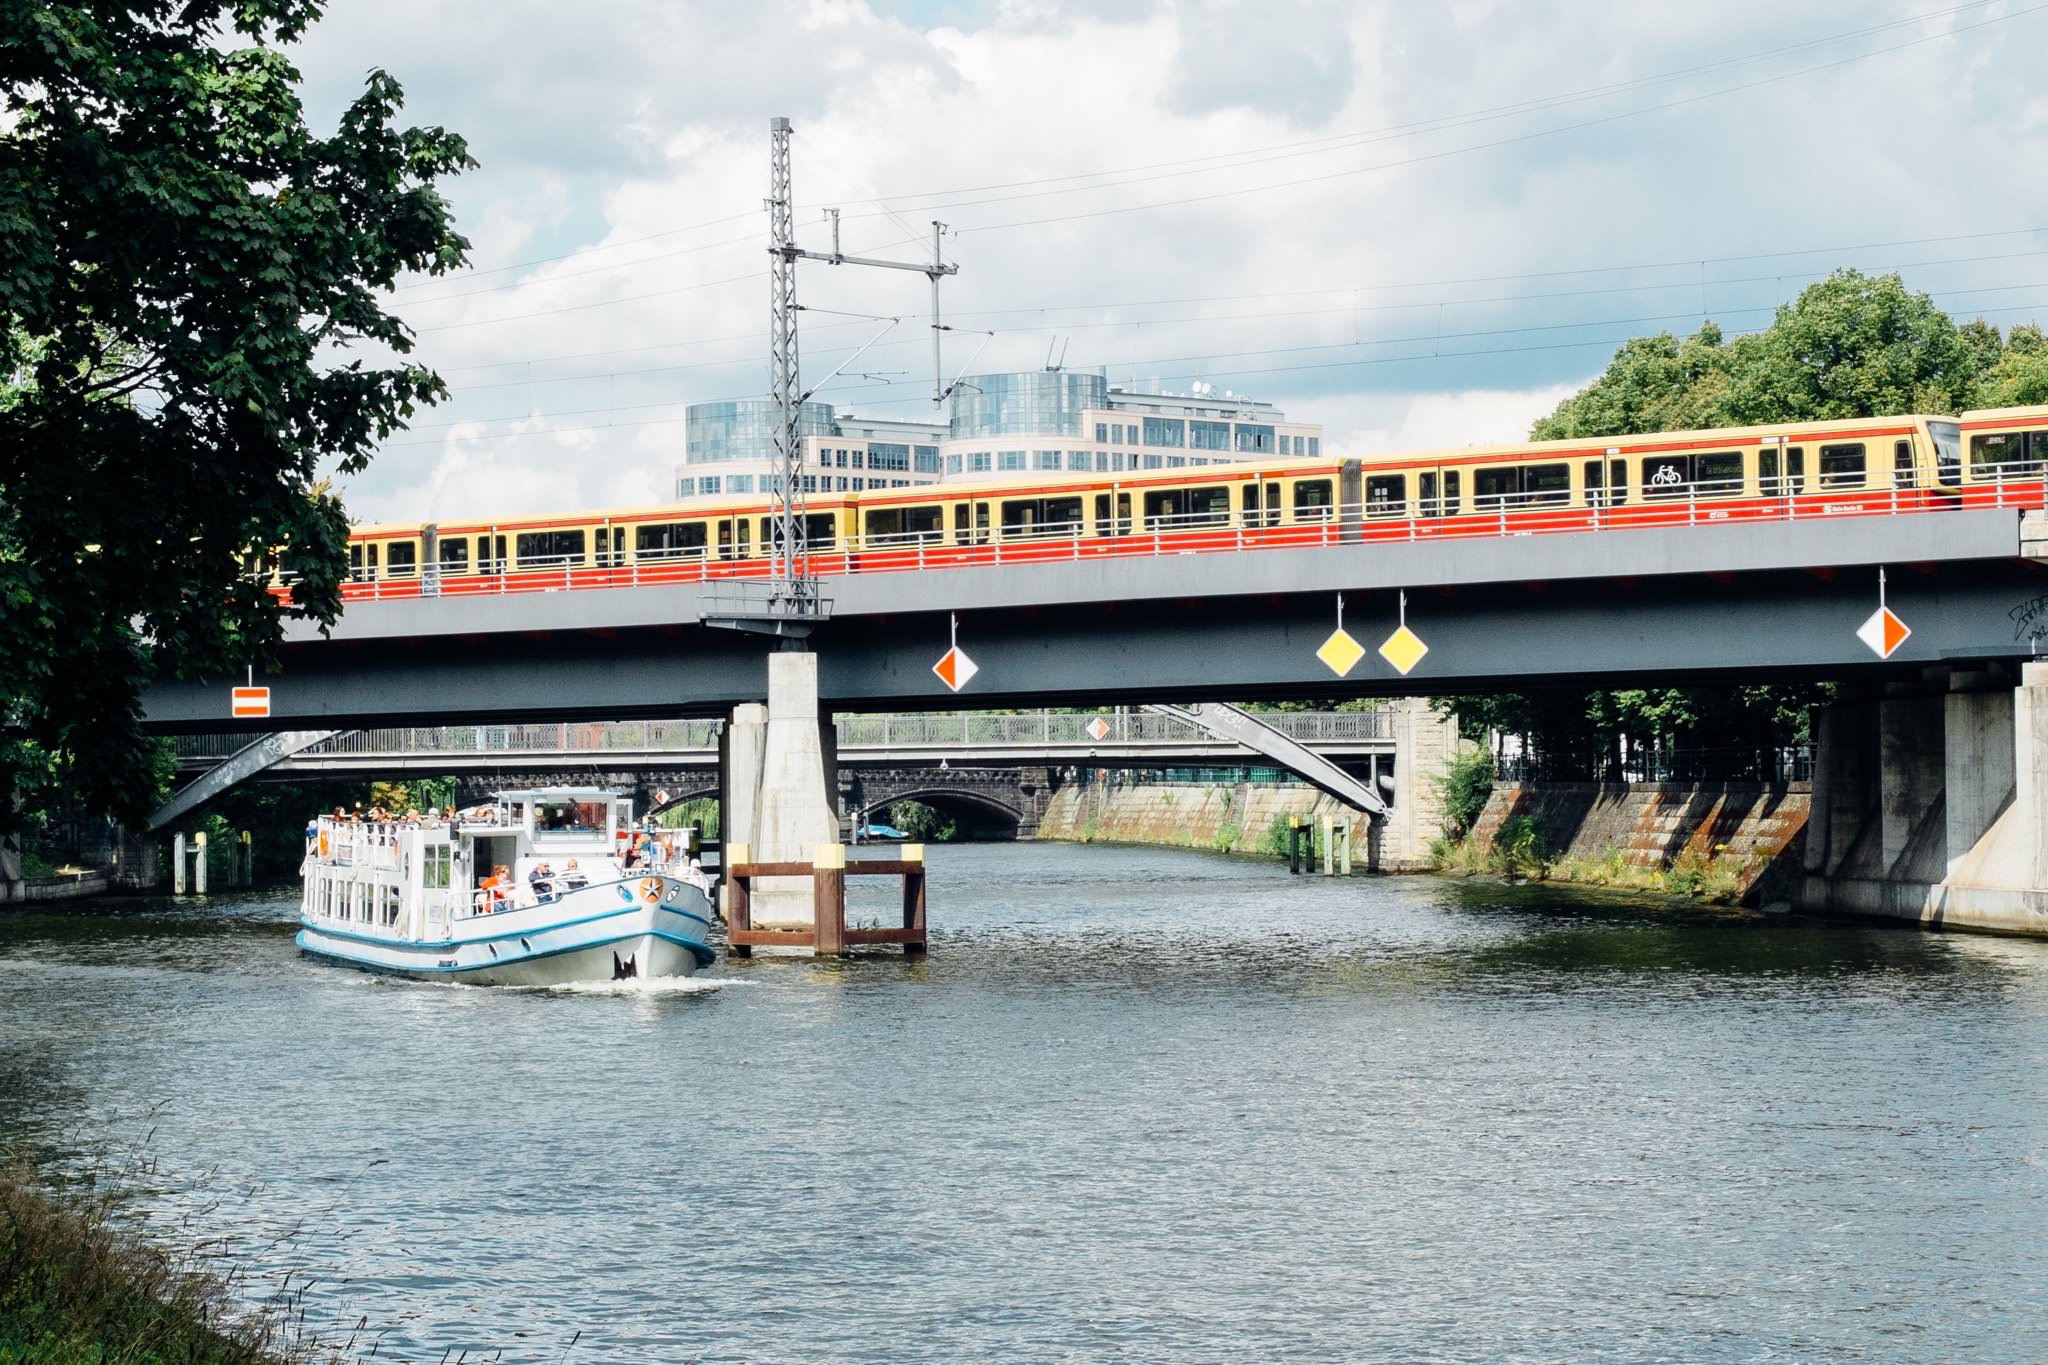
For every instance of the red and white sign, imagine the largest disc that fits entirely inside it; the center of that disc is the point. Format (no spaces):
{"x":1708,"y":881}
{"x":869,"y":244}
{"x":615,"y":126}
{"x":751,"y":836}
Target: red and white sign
{"x":250,"y":702}
{"x":1098,"y":729}
{"x":955,"y":669}
{"x":1884,"y":632}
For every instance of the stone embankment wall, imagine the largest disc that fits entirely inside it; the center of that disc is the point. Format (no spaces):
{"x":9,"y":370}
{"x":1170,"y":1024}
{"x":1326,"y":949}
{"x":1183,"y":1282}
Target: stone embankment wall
{"x":1650,"y":827}
{"x":64,"y":887}
{"x":1230,"y":818}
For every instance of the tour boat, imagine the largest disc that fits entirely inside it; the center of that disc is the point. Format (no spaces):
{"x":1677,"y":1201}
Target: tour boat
{"x":534,"y":888}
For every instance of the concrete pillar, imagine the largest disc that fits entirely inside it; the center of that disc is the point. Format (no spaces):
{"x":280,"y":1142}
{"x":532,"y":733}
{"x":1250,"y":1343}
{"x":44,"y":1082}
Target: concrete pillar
{"x":741,"y":750}
{"x":1844,"y":783}
{"x":12,"y":887}
{"x":1977,"y":731}
{"x":1424,"y":745}
{"x":199,"y":864}
{"x":177,"y":864}
{"x":793,"y":809}
{"x":1911,"y":771}
{"x":2030,"y":777}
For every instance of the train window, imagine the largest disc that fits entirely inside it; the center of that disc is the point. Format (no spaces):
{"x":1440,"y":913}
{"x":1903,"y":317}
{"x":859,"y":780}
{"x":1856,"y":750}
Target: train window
{"x":611,"y":545}
{"x":1767,"y":472}
{"x":821,"y":531}
{"x":455,"y":556}
{"x":730,"y":547}
{"x":2004,"y":455}
{"x":1617,"y":482}
{"x":1546,"y":484}
{"x":909,"y":523}
{"x":362,"y":562}
{"x":1666,"y":476}
{"x":1042,"y":516}
{"x":549,"y":549}
{"x":669,"y":540}
{"x":490,"y":554}
{"x":1948,"y":451}
{"x":1841,"y":466}
{"x":1312,"y":500}
{"x":1169,"y":508}
{"x":1596,"y":495}
{"x":1386,"y":495}
{"x":1795,"y":469}
{"x":401,"y":559}
{"x":1718,"y":475}
{"x":1493,"y":489}
{"x":1902,"y":464}
{"x":1425,"y":494}
{"x":1273,"y":504}
{"x":1451,"y":480}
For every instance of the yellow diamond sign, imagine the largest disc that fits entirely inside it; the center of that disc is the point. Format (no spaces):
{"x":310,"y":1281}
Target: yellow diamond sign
{"x":1403,"y":649}
{"x":1340,"y":653}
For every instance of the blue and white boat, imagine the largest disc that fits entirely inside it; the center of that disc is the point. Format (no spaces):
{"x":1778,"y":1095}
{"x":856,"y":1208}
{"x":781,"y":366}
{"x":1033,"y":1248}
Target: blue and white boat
{"x":536,"y":888}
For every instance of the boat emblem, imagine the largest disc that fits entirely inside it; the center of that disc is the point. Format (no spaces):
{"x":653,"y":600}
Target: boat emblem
{"x":625,"y":893}
{"x":650,"y":887}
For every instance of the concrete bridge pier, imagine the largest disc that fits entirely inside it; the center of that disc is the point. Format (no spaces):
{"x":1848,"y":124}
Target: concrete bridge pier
{"x":1930,"y":801}
{"x":777,"y":784}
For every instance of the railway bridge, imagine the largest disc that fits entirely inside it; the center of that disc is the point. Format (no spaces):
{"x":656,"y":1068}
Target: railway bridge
{"x":1531,"y":603}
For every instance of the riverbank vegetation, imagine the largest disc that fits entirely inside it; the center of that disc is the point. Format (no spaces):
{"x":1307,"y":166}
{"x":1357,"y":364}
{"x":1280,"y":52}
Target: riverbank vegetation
{"x":77,"y":1289}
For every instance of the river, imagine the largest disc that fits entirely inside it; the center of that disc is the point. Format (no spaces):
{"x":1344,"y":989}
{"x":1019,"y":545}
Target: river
{"x":1138,"y":1104}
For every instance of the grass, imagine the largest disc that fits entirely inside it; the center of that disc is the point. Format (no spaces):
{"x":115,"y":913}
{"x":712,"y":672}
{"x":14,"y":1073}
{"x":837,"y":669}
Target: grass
{"x":75,"y":1289}
{"x":1518,"y":851}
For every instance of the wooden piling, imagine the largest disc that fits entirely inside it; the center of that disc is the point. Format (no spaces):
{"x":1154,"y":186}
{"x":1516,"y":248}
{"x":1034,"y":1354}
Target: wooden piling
{"x":738,"y":907}
{"x":199,"y":864}
{"x":913,"y":902}
{"x":828,"y":900}
{"x":1293,"y":845}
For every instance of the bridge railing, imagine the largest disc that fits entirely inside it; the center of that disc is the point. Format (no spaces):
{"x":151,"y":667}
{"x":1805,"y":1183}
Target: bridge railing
{"x":942,"y":730}
{"x":1475,"y":514}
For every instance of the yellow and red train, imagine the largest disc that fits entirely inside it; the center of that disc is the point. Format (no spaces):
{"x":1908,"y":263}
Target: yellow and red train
{"x":1791,"y":470}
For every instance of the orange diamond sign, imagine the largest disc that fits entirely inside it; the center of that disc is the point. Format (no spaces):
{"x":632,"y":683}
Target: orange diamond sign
{"x":1884,"y":632}
{"x":1098,"y":729}
{"x":955,"y":669}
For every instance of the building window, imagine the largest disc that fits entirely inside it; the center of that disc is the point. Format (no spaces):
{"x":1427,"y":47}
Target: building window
{"x":927,"y":459}
{"x":1176,"y":461}
{"x":952,"y":464}
{"x":1163,"y":431}
{"x":888,"y":457}
{"x":979,"y":462}
{"x":686,"y":488}
{"x":1315,"y":446}
{"x":1045,"y":459}
{"x":1254,"y":440}
{"x":810,"y":483}
{"x":1117,"y":434}
{"x":1080,"y":461}
{"x":1209,"y":435}
{"x":1101,"y":432}
{"x":1154,"y":461}
{"x":824,"y":456}
{"x":708,"y":485}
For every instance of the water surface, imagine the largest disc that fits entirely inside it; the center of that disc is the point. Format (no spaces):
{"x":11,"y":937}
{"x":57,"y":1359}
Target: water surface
{"x":1138,"y":1104}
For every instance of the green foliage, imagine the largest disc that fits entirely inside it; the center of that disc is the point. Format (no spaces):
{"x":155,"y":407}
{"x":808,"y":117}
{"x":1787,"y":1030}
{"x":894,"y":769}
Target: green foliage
{"x":1521,"y":845}
{"x":183,"y":257}
{"x":923,"y":824}
{"x":700,"y":811}
{"x":1228,"y":836}
{"x":2019,"y":376}
{"x":1464,"y":789}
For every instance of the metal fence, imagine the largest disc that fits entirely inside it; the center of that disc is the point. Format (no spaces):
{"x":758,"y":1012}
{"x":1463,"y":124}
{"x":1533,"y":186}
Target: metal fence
{"x":940,"y":730}
{"x":1775,"y":766}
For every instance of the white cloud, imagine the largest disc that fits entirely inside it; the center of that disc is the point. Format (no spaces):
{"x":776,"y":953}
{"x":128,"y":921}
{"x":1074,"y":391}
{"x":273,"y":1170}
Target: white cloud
{"x":1420,"y":287}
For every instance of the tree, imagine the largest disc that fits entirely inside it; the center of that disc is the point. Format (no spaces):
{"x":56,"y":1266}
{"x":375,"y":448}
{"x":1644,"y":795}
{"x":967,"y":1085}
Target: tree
{"x":184,"y":265}
{"x":1849,"y":346}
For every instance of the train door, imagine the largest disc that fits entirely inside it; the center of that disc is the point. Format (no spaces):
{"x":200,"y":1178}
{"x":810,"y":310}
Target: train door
{"x":970,"y":523}
{"x":611,"y":546}
{"x":1904,"y":475}
{"x":362,"y":561}
{"x":734,"y":535}
{"x":490,"y":554}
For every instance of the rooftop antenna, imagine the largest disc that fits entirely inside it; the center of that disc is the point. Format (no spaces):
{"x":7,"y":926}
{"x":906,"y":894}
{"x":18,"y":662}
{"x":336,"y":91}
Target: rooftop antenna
{"x":794,"y":596}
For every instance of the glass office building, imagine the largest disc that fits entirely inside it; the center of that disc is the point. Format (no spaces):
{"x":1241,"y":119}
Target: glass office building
{"x":1033,"y":421}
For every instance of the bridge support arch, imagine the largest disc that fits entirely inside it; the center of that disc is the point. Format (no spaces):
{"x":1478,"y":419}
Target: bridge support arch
{"x":999,"y":800}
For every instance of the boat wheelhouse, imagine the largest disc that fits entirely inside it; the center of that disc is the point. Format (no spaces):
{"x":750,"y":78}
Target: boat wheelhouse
{"x":533,"y":888}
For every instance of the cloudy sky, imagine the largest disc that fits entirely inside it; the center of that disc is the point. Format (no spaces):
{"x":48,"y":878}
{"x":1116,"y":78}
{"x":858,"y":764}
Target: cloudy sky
{"x":1413,"y":223}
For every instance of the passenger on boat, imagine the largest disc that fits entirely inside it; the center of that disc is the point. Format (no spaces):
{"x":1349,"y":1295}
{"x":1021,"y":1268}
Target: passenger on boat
{"x":541,"y":879}
{"x":636,"y":853}
{"x":573,"y":878}
{"x":497,"y":888}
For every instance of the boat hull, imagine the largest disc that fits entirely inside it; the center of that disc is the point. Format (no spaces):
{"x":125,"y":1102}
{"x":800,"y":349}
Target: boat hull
{"x":556,"y":944}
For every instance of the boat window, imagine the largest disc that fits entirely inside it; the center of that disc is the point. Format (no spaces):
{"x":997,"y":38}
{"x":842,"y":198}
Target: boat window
{"x":549,"y":549}
{"x":670,"y":540}
{"x":1841,"y":466}
{"x":569,"y":819}
{"x":1312,"y":500}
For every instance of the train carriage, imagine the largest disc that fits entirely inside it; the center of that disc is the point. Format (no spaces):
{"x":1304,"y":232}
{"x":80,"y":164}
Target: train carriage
{"x":1774,"y":472}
